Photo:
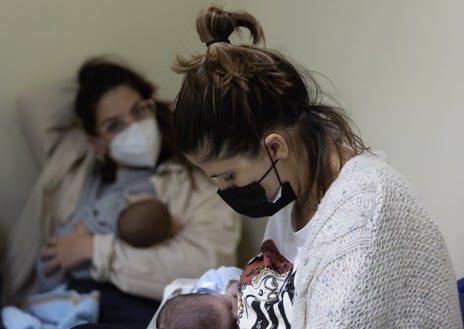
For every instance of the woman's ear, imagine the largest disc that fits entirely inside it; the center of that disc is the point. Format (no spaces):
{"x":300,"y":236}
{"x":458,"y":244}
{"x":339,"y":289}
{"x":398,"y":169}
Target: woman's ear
{"x":277,"y":146}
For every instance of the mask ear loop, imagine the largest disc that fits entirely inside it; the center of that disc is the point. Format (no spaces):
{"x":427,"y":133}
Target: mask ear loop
{"x":272,"y":166}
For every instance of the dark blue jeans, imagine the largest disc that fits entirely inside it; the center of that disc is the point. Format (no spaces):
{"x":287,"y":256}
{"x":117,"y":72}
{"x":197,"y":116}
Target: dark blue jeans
{"x":1,"y":298}
{"x":461,"y":296}
{"x":118,"y":309}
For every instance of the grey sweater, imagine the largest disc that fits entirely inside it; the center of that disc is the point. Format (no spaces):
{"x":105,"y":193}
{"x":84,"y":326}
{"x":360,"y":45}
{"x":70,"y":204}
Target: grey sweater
{"x":374,"y":258}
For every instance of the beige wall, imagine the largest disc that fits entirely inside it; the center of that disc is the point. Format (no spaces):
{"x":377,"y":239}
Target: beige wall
{"x":396,"y":65}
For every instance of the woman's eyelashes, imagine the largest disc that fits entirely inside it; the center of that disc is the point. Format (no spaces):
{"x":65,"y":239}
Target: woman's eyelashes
{"x":114,"y":126}
{"x":229,"y":177}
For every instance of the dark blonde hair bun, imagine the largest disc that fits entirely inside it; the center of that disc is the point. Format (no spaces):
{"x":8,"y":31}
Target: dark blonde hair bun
{"x":216,"y":25}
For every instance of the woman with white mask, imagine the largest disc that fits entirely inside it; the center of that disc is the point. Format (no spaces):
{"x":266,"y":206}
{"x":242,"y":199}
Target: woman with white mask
{"x":132,"y":156}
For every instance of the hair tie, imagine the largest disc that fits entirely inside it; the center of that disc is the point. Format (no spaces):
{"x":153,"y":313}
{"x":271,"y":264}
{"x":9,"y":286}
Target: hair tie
{"x":209,"y":43}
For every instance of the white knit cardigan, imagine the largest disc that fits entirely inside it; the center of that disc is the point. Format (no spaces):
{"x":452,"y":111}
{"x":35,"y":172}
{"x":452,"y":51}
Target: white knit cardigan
{"x":374,"y":258}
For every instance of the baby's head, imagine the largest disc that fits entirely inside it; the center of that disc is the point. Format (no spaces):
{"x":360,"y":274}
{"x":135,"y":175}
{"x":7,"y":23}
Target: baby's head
{"x":144,"y":223}
{"x":199,"y":311}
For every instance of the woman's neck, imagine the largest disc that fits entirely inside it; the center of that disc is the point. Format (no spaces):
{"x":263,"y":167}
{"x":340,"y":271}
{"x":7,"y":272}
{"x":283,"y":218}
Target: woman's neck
{"x":306,"y":207}
{"x":302,"y":214}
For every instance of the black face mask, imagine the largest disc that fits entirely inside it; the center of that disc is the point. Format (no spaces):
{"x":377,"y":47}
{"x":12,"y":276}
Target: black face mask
{"x":251,"y":200}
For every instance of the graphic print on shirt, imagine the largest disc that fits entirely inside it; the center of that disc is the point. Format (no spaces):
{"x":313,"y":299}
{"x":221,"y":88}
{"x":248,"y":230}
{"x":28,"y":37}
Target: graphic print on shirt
{"x":266,"y":291}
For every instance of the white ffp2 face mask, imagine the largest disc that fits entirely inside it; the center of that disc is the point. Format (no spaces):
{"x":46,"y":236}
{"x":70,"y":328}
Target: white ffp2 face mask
{"x":138,"y":145}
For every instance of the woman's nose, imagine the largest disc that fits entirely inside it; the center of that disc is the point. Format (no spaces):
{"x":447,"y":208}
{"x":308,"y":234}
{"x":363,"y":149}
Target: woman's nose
{"x":224,"y":184}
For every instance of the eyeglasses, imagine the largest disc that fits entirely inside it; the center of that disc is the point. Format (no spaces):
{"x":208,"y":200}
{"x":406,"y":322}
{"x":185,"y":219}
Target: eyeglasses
{"x":142,"y":110}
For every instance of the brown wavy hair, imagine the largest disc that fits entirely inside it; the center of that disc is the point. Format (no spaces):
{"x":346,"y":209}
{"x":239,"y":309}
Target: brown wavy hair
{"x":234,"y":95}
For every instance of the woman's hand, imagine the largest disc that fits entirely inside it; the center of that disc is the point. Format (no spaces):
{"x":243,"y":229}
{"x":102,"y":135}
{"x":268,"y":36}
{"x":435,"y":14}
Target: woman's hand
{"x":65,"y":253}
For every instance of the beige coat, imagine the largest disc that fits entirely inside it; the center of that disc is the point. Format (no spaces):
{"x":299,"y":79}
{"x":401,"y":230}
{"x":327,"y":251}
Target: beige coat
{"x":208,"y":235}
